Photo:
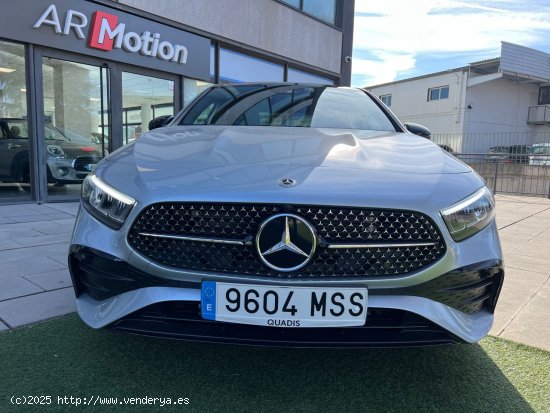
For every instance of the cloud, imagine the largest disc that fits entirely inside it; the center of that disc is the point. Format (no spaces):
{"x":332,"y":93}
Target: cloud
{"x":390,"y":35}
{"x":383,"y":67}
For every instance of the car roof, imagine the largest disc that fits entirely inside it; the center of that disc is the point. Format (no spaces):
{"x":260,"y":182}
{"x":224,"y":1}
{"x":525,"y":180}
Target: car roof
{"x":271,"y":84}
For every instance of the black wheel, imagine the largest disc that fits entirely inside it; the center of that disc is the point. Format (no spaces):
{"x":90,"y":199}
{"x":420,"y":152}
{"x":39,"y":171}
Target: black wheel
{"x":26,"y":176}
{"x":25,"y":183}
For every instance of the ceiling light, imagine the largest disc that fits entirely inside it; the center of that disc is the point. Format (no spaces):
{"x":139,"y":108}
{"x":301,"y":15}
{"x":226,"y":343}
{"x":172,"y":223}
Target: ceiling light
{"x":6,"y":70}
{"x":95,"y":99}
{"x":23,"y":90}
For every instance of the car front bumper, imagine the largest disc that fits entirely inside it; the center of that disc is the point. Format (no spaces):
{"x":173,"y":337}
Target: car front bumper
{"x":451,"y":301}
{"x":70,"y":171}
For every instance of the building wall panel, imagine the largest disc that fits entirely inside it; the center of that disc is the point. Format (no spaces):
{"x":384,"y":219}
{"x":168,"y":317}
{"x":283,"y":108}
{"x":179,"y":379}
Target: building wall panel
{"x":524,"y":60}
{"x":264,"y":24}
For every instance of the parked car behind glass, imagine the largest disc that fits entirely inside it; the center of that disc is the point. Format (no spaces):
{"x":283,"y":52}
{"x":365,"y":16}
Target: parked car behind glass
{"x":68,"y":161}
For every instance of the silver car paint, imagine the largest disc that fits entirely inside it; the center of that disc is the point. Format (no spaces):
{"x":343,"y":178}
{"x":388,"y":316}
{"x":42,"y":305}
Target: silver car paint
{"x":332,"y":167}
{"x":470,"y":328}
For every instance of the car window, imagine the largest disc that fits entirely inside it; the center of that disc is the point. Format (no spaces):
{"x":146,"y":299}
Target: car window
{"x":519,"y":149}
{"x":14,"y":129}
{"x":207,"y":109}
{"x":288,"y":106}
{"x":540,"y":150}
{"x":349,"y":108}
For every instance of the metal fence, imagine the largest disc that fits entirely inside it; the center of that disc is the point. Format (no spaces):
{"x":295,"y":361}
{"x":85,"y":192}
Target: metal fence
{"x":512,"y":163}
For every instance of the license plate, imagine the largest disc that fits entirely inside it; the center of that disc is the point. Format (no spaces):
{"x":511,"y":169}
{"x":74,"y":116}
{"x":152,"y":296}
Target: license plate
{"x":277,"y":306}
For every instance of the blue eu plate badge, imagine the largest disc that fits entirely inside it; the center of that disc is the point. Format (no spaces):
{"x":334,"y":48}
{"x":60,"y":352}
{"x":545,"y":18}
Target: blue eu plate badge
{"x":208,"y":300}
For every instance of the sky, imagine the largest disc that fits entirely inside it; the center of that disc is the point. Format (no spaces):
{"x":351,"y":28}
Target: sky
{"x":399,"y":39}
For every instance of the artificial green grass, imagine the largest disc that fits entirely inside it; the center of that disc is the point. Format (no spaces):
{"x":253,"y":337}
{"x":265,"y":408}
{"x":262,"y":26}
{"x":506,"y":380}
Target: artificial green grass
{"x":65,"y":358}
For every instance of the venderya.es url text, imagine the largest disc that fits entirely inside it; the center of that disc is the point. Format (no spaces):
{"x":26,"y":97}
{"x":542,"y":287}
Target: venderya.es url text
{"x":98,"y":400}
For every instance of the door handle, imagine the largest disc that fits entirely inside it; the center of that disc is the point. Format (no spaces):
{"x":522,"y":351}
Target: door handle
{"x":13,"y":146}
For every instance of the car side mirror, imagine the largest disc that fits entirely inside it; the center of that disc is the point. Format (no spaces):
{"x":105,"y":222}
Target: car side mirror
{"x":419,"y":130}
{"x":160,"y":121}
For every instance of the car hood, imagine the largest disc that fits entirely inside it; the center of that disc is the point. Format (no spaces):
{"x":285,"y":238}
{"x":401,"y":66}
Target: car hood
{"x":231,"y":163}
{"x":74,"y":150}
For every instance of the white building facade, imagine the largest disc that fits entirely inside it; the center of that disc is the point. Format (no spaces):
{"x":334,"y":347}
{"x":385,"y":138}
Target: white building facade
{"x":501,"y":101}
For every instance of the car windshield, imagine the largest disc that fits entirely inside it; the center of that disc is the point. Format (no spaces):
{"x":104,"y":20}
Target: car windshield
{"x":540,"y":150}
{"x":287,"y":106}
{"x":51,"y":133}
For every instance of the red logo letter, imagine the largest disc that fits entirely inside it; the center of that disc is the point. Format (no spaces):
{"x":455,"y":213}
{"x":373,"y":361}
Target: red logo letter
{"x":103,"y":30}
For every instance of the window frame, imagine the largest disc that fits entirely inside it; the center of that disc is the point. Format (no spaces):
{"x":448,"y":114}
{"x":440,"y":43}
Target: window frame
{"x":544,"y":90}
{"x":382,"y":97}
{"x":439,"y":89}
{"x":337,"y":12}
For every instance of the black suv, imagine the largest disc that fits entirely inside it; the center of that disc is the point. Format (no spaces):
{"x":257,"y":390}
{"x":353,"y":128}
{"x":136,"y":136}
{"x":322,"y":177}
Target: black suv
{"x":519,"y":153}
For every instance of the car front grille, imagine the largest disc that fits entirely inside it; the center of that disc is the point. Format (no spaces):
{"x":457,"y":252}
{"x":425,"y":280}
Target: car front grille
{"x":394,"y":242}
{"x":84,"y":163}
{"x":383,"y":328}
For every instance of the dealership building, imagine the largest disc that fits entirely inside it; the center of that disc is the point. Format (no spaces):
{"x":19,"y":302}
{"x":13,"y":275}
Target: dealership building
{"x":80,"y":79}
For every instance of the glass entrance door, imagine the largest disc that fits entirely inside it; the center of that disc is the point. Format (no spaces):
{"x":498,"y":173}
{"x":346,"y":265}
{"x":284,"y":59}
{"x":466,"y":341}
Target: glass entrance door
{"x":15,"y":163}
{"x":76,"y":122}
{"x":143,"y":99}
{"x":88,"y":108}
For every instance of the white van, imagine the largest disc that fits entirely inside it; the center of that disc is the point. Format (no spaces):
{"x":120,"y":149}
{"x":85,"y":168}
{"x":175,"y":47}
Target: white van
{"x":540,"y":154}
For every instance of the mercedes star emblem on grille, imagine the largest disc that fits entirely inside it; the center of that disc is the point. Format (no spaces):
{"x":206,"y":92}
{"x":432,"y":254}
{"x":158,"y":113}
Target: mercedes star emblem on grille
{"x":287,"y":182}
{"x":286,"y":242}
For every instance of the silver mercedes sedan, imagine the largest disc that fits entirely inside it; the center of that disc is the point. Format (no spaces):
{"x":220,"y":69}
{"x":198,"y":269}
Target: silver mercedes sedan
{"x":287,"y":215}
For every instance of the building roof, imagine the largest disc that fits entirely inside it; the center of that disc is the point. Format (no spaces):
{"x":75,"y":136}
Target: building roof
{"x":458,"y":69}
{"x":490,"y":60}
{"x":515,"y":61}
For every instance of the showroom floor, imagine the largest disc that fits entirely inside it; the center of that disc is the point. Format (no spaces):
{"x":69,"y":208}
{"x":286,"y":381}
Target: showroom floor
{"x":36,"y":286}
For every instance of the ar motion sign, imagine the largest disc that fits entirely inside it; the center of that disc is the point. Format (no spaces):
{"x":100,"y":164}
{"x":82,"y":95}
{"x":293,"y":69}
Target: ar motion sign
{"x":107,"y":33}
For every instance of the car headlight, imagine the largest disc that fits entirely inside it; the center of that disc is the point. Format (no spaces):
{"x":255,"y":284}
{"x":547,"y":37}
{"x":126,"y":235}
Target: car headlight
{"x":470,"y":215}
{"x":106,"y":203}
{"x":56,"y":151}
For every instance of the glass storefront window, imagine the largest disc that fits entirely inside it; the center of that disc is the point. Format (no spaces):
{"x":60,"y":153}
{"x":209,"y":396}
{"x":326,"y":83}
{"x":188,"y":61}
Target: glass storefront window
{"x":212,"y":63}
{"x":237,"y":67}
{"x":303,"y":77}
{"x":75,"y":132}
{"x":322,"y":9}
{"x":14,"y":137}
{"x":192,"y":88}
{"x":143,"y":99}
{"x":295,"y":3}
